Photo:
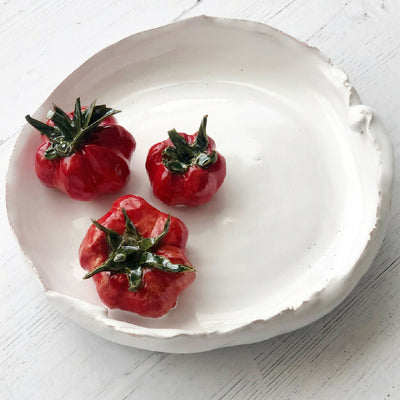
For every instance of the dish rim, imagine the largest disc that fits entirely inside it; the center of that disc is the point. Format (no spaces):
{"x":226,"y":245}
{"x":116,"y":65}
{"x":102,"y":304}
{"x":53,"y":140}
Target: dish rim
{"x":385,"y":152}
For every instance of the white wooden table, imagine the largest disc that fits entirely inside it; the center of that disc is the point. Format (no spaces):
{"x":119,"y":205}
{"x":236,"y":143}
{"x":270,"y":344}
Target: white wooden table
{"x":352,"y":353}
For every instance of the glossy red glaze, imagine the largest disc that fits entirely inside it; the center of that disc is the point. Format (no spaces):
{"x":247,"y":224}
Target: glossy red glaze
{"x":160,"y":289}
{"x":194,"y":187}
{"x":100,"y":165}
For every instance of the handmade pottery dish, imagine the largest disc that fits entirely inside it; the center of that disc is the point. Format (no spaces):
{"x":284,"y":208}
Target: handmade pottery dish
{"x":298,"y":220}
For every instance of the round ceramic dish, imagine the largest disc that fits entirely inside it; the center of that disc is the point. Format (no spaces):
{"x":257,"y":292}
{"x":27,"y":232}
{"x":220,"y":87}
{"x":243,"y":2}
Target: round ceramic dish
{"x":301,"y":214}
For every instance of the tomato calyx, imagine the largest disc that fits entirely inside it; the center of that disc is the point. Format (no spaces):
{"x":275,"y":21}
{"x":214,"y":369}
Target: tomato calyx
{"x":130,"y":254}
{"x":182,"y":155}
{"x":67,"y":134}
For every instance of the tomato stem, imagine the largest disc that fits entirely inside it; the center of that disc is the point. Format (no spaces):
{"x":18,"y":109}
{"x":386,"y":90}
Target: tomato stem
{"x":67,"y":135}
{"x":182,"y":155}
{"x":130,"y":253}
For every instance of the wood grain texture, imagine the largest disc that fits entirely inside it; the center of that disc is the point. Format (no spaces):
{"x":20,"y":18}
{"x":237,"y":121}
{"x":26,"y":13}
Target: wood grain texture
{"x":352,"y":353}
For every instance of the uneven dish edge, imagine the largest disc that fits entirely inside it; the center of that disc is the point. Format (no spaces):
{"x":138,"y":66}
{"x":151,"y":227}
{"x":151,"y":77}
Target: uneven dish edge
{"x":179,"y":341}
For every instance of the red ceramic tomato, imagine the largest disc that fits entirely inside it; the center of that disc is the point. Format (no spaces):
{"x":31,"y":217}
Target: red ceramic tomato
{"x":185,"y":169}
{"x":136,"y":256}
{"x":84,"y":153}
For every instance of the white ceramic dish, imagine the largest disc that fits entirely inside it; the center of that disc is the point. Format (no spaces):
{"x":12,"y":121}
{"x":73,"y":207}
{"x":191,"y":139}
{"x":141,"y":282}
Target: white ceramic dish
{"x":298,"y":220}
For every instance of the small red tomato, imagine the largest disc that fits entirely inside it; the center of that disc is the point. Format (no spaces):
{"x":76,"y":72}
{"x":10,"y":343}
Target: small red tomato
{"x":84,"y":153}
{"x":136,"y":256}
{"x":186,"y":169}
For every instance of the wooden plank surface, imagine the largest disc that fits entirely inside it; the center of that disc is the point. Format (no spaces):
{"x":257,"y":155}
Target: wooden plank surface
{"x":352,"y":353}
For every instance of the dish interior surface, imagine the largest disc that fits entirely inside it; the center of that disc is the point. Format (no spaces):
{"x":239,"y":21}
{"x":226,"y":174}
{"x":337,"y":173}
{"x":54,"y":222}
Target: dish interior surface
{"x":300,"y":197}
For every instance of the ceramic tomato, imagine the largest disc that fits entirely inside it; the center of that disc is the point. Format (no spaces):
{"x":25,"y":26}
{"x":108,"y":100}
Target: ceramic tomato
{"x":136,"y":256}
{"x":186,"y":169}
{"x":84,"y":153}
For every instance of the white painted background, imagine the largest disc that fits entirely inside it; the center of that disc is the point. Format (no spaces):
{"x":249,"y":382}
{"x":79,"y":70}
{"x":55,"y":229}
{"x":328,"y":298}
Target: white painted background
{"x":352,"y":353}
